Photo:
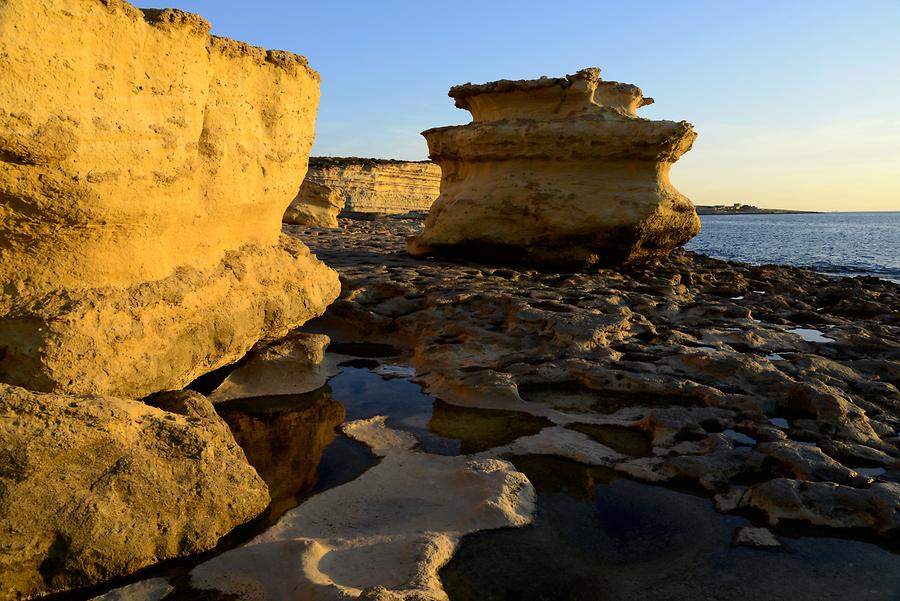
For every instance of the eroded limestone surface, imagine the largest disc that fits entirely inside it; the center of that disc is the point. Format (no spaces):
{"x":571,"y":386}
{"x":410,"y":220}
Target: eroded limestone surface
{"x":384,"y":535}
{"x":355,"y":185}
{"x":557,"y":171}
{"x":316,"y":205}
{"x":687,"y":369}
{"x":95,"y":487}
{"x":144,"y":169}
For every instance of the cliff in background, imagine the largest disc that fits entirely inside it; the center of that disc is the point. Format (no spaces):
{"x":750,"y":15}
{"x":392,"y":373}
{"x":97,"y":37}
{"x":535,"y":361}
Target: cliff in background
{"x":742,"y":209}
{"x":360,"y":185}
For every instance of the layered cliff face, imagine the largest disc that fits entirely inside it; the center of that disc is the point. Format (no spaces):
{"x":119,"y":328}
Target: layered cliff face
{"x":145,"y":169}
{"x":557,"y":171}
{"x":363,"y":186}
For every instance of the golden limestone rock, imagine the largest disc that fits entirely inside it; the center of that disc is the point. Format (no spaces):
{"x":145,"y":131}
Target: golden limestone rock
{"x":144,"y":169}
{"x":315,"y":205}
{"x":557,"y":171}
{"x":356,"y":185}
{"x":95,"y":487}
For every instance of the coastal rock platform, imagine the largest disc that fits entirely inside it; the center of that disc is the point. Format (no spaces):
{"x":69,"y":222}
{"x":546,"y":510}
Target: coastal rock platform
{"x":383,"y":536}
{"x":774,"y":390}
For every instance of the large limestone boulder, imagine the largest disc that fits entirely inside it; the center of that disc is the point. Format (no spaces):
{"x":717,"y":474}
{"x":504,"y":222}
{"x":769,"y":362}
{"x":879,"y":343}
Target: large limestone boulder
{"x":95,"y":487}
{"x":367,"y":186}
{"x":557,"y":171}
{"x":316,"y":205}
{"x":144,"y":169}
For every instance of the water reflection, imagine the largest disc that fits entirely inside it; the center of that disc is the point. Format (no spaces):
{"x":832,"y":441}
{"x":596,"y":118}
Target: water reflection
{"x":482,"y":429}
{"x":365,"y":394}
{"x":811,"y":335}
{"x":599,"y":537}
{"x":629,"y":441}
{"x":284,"y":438}
{"x":575,"y":397}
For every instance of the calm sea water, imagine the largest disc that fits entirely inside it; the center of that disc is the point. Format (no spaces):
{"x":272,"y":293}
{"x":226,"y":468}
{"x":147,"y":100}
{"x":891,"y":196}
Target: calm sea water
{"x":834,"y":243}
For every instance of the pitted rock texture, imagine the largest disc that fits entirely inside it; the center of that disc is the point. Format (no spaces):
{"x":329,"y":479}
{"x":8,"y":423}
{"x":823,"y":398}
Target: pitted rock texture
{"x":95,"y":487}
{"x":685,"y":369}
{"x":358,"y":185}
{"x":161,"y":335}
{"x":136,"y":151}
{"x":557,"y":171}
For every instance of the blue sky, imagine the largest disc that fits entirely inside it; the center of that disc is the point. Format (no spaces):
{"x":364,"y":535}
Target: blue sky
{"x":797,"y":103}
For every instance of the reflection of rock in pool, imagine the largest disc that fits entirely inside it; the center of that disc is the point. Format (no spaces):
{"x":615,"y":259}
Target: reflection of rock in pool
{"x":629,"y":441}
{"x":597,"y":537}
{"x":284,"y":437}
{"x":482,"y":429}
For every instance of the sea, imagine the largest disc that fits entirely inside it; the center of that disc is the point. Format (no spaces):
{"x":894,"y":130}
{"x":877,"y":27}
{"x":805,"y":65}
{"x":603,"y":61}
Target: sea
{"x":845,"y":244}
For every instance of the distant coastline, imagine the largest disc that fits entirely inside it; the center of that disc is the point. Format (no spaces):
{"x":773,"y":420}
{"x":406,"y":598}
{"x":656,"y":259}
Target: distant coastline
{"x":740,"y":209}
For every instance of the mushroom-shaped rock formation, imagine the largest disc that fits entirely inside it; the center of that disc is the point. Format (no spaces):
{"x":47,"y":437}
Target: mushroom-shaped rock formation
{"x":557,"y":171}
{"x":144,"y":169}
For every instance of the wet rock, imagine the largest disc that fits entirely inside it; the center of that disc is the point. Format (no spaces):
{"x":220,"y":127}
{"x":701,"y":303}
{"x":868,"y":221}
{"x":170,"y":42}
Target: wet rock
{"x":557,"y":171}
{"x":670,"y":355}
{"x":829,"y":504}
{"x":95,"y":487}
{"x":154,"y":589}
{"x":807,"y":462}
{"x":760,"y":538}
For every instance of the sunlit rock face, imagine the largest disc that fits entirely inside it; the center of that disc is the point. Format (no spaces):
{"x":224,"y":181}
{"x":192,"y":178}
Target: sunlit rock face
{"x":144,"y":169}
{"x":95,"y":487}
{"x":557,"y":171}
{"x":316,"y":205}
{"x":356,"y":185}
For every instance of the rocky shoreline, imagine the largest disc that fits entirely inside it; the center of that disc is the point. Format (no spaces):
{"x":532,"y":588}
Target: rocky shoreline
{"x":768,"y":392}
{"x":774,"y":389}
{"x":199,"y":402}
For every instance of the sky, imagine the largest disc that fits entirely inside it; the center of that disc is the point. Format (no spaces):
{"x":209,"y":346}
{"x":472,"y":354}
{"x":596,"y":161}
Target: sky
{"x":797,"y":103}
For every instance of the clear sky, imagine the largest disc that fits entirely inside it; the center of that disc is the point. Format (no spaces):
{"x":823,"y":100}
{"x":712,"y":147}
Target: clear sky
{"x":797,"y":103}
